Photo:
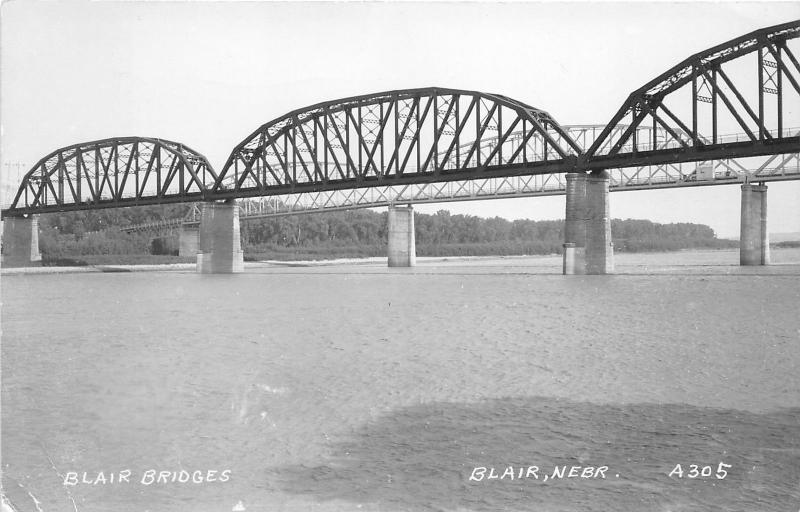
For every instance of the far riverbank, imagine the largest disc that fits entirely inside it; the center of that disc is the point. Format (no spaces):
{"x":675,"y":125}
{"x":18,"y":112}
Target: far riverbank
{"x":709,"y":260}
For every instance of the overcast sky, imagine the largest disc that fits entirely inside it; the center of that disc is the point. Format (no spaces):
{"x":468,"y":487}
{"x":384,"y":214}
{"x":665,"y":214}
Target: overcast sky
{"x":207,"y":74}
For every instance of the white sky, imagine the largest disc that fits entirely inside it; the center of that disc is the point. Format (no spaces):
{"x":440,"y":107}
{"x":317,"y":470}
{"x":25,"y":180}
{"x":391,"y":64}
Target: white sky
{"x":208,"y":73}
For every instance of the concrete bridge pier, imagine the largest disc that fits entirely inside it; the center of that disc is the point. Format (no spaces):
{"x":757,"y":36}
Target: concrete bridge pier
{"x":402,"y":244}
{"x":575,"y":225}
{"x":21,"y":242}
{"x":220,"y":242}
{"x":599,"y":247}
{"x":753,"y":236}
{"x":188,"y":241}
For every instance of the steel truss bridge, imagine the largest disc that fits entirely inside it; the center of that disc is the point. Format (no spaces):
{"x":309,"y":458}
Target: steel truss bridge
{"x":438,"y":144}
{"x":671,"y":175}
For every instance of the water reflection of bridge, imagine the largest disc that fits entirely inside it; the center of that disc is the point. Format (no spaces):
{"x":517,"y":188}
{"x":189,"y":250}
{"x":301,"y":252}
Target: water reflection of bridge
{"x":436,"y":144}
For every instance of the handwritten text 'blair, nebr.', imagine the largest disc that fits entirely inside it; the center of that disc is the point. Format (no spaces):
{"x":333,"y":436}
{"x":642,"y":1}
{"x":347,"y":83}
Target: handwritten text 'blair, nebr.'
{"x":148,"y":477}
{"x":533,"y":472}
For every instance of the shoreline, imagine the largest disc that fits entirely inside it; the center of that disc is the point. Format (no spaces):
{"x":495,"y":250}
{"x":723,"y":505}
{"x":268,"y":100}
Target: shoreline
{"x":381,"y":261}
{"x":167,"y":267}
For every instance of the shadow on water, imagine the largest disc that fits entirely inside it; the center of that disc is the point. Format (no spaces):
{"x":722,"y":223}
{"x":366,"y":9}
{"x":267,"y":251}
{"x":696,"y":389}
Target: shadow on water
{"x":421,"y":458}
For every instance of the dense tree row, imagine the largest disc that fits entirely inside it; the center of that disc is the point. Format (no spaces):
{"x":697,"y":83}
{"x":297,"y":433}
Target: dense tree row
{"x":358,"y":233}
{"x":84,"y":221}
{"x":634,"y":235}
{"x":369,"y":227}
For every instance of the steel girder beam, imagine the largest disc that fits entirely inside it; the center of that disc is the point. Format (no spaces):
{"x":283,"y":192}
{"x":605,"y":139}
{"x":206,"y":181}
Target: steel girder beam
{"x":784,"y":145}
{"x":109,"y":173}
{"x":694,"y":99}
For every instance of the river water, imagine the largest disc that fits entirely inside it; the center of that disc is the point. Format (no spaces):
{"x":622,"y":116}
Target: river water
{"x":358,"y":387}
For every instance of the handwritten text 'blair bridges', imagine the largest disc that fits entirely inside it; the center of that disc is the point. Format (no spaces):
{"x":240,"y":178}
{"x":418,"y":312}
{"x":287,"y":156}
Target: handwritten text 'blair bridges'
{"x":148,"y":477}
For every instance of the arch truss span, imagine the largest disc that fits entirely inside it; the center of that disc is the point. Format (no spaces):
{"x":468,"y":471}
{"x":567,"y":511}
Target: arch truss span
{"x":737,"y":99}
{"x":122,"y":171}
{"x":405,"y":136}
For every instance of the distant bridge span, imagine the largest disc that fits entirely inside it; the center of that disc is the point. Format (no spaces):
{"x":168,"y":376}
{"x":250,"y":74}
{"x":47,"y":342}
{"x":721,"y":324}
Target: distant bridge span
{"x":781,"y":167}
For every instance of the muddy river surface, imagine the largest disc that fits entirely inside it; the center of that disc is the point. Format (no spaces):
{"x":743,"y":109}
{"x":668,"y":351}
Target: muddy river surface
{"x":460,"y":385}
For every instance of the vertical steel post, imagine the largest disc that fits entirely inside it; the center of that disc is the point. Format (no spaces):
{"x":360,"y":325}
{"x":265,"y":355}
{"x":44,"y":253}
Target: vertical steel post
{"x":714,"y":105}
{"x":761,"y":93}
{"x":780,"y":92}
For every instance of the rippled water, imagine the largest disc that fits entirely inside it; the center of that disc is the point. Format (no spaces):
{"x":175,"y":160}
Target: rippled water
{"x":361,"y":387}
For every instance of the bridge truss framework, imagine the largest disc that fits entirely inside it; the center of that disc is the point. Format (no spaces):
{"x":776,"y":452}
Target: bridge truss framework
{"x":437,"y":144}
{"x":780,"y":167}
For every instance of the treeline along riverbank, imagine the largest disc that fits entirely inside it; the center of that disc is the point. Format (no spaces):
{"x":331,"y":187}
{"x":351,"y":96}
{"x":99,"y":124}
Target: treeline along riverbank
{"x":94,"y":237}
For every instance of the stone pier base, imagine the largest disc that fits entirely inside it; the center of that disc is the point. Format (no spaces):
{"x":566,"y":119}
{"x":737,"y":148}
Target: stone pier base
{"x":574,"y":260}
{"x":575,"y":225}
{"x":588,"y":248}
{"x":21,"y":242}
{"x":599,"y":247}
{"x":402,"y":247}
{"x":188,"y":241}
{"x":220,"y":242}
{"x":754,"y":237}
